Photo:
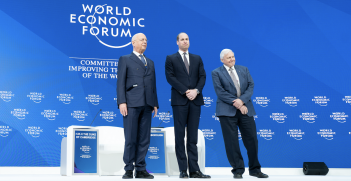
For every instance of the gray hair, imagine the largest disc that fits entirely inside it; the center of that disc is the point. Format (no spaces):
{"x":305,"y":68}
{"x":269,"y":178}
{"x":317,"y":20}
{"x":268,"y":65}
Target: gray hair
{"x":225,"y":52}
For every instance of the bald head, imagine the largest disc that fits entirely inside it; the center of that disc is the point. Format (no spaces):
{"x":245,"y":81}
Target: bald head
{"x":139,"y":43}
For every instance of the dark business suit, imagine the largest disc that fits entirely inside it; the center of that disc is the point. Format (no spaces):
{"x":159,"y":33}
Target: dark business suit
{"x":136,"y":86}
{"x":186,"y":112}
{"x":231,"y":118}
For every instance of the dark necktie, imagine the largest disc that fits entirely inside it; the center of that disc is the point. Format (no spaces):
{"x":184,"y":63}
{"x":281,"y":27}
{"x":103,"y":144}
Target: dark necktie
{"x":142,"y":59}
{"x":236,"y":82}
{"x":186,"y":62}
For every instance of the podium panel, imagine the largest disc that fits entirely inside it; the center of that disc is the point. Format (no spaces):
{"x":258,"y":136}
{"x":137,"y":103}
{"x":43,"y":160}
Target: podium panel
{"x":156,"y":156}
{"x":86,"y":151}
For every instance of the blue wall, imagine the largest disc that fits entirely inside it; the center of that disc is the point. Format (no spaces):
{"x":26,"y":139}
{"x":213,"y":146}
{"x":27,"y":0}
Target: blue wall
{"x":297,"y":51}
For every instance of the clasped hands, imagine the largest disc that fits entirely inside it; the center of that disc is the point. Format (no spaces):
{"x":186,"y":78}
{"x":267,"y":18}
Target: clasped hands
{"x":191,"y":94}
{"x":239,"y":104}
{"x":124,"y":110}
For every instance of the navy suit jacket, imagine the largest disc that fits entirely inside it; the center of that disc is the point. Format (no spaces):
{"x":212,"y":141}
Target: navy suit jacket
{"x":131,"y":72}
{"x":226,"y":91}
{"x":178,"y":77}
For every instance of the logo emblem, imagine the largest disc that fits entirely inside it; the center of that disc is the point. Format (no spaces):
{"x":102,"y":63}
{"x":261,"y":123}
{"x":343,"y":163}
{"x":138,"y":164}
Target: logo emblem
{"x":6,"y":95}
{"x":339,"y":116}
{"x":262,"y":101}
{"x":321,"y":100}
{"x":107,"y":23}
{"x":279,"y":117}
{"x":309,"y":117}
{"x":296,"y":134}
{"x":291,"y":101}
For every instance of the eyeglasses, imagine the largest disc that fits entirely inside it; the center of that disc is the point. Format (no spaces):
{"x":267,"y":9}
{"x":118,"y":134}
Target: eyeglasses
{"x":144,"y":40}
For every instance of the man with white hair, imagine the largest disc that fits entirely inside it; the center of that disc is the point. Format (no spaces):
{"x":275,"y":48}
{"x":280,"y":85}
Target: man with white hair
{"x":136,"y":99}
{"x":234,"y":87}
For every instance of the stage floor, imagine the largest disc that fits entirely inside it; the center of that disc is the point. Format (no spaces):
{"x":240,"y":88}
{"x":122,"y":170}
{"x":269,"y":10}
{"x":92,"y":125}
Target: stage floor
{"x":217,"y":173}
{"x":53,"y":177}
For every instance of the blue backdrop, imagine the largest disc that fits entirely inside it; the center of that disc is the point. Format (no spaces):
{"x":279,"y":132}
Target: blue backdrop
{"x":59,"y":61}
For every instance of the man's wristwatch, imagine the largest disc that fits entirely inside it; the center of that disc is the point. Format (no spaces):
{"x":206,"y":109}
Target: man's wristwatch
{"x":198,"y":92}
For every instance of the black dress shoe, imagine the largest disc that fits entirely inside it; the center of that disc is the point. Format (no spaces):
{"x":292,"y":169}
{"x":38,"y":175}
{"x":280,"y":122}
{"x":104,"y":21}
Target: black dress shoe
{"x":198,"y":174}
{"x":238,"y":175}
{"x":183,"y":174}
{"x":143,"y":174}
{"x":259,"y":175}
{"x":128,"y":174}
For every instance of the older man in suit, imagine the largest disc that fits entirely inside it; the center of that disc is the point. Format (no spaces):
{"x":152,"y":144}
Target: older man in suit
{"x":234,"y":86}
{"x":186,"y":74}
{"x":136,"y":99}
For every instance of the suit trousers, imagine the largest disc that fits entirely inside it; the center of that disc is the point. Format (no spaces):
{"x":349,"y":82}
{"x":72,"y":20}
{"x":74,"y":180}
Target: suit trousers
{"x":248,"y":131}
{"x":186,"y":116}
{"x":137,"y":127}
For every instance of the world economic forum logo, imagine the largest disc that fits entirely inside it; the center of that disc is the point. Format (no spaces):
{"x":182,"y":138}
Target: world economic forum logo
{"x":321,"y":100}
{"x":5,"y":131}
{"x":208,"y":101}
{"x":339,"y":116}
{"x":310,"y":117}
{"x":85,"y":148}
{"x":267,"y":134}
{"x":20,"y":113}
{"x":65,"y":98}
{"x":296,"y":134}
{"x":34,"y":131}
{"x":153,"y":149}
{"x":262,"y":101}
{"x":50,"y":114}
{"x":61,"y":131}
{"x":347,"y":99}
{"x":94,"y":99}
{"x":165,"y":116}
{"x":328,"y":134}
{"x":107,"y":23}
{"x":108,"y":115}
{"x":6,"y":95}
{"x":291,"y":101}
{"x":279,"y":117}
{"x":36,"y":97}
{"x":209,"y":134}
{"x":79,"y":115}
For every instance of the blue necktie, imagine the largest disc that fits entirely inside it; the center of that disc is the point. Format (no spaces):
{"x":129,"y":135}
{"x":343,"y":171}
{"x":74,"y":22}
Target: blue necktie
{"x":142,"y":59}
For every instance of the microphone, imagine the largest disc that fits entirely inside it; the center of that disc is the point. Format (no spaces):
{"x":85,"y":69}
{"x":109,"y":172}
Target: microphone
{"x":162,"y":120}
{"x":95,"y":117}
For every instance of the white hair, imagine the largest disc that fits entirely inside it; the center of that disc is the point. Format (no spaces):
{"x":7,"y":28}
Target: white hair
{"x":225,"y":52}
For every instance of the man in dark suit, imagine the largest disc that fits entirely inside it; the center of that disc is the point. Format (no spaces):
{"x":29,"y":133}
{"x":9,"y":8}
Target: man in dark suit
{"x":234,"y":87}
{"x":186,"y":74}
{"x":136,"y":99}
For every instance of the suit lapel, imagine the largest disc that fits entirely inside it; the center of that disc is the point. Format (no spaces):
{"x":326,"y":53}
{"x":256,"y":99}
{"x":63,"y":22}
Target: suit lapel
{"x":226,"y":74}
{"x":148,"y":65}
{"x":181,"y":62}
{"x":137,"y":60}
{"x":191,"y":66}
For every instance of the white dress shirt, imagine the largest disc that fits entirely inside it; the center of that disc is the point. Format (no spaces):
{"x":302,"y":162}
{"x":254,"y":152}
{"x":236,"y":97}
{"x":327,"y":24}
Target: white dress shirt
{"x":235,"y":74}
{"x":137,"y":54}
{"x":186,"y":55}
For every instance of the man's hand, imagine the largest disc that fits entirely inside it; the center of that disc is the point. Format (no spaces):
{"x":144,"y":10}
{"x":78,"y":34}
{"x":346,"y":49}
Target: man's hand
{"x":243,"y":110}
{"x":155,"y":110}
{"x":191,"y":94}
{"x":238,"y":103}
{"x":123,"y":109}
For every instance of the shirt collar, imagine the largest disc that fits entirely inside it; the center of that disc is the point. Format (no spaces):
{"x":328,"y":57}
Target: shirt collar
{"x":182,"y":53}
{"x":226,"y":67}
{"x":137,"y":54}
